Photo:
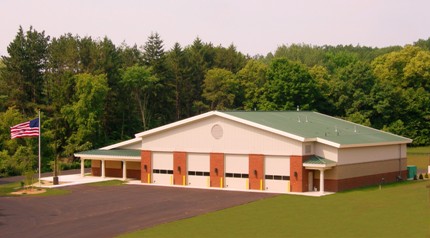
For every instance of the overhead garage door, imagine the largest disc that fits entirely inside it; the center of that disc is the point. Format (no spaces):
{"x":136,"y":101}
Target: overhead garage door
{"x":162,"y":168}
{"x":236,"y":171}
{"x":198,"y":170}
{"x":277,"y":173}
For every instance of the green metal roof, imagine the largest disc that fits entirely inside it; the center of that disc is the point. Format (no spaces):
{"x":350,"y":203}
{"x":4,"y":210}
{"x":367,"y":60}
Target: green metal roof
{"x":109,"y":153}
{"x":309,"y":125}
{"x":314,"y":159}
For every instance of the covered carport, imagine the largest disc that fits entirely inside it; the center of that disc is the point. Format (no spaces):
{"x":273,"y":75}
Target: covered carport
{"x":120,"y":163}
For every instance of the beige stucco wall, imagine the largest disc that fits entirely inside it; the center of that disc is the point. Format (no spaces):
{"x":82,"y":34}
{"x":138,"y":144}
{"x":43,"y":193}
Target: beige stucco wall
{"x":237,"y":139}
{"x":370,"y":154}
{"x":364,"y":169}
{"x":134,"y":146}
{"x":326,"y":151}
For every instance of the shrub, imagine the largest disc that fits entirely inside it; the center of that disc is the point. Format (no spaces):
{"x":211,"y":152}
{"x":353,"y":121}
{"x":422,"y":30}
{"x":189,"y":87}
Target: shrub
{"x":421,"y":176}
{"x":415,"y":177}
{"x":426,"y":176}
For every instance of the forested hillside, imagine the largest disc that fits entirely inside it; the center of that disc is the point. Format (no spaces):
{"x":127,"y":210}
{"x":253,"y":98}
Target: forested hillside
{"x":92,"y":92}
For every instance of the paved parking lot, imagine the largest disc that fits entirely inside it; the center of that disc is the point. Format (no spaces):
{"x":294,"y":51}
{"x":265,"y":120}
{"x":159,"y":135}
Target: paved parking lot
{"x":107,"y":211}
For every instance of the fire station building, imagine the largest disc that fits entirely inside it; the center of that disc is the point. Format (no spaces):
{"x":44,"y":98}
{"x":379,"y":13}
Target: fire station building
{"x":282,"y":151}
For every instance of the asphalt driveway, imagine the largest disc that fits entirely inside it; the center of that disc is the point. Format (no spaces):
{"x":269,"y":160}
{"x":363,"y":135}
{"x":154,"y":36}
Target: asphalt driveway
{"x":107,"y":211}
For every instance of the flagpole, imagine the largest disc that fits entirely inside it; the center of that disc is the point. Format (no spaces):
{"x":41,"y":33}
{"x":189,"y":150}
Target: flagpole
{"x":40,"y":132}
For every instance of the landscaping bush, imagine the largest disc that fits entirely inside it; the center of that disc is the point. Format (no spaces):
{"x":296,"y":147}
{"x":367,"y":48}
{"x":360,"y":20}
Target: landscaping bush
{"x":421,"y":176}
{"x":426,"y":176}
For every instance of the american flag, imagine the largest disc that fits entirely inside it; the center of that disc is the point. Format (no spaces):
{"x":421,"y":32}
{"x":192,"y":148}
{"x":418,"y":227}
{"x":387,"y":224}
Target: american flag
{"x":25,"y":129}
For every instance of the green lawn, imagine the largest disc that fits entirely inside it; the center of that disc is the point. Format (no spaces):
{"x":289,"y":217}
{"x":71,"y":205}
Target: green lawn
{"x":114,"y":182}
{"x":419,"y":156}
{"x":397,"y":210}
{"x":6,"y":189}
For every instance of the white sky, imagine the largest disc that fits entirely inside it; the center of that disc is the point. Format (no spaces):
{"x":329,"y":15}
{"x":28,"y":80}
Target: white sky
{"x":255,"y":27}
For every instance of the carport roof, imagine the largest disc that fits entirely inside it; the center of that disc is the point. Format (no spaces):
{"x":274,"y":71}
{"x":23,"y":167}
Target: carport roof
{"x":315,"y":159}
{"x":318,"y":162}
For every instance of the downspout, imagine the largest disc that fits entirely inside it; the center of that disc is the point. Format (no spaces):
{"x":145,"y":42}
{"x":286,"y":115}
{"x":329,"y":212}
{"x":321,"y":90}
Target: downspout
{"x":400,"y":162}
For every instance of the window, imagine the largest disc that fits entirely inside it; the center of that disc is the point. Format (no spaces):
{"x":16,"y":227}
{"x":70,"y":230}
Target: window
{"x":236,"y":175}
{"x":198,"y":173}
{"x":162,"y":171}
{"x":191,"y":172}
{"x":276,"y":177}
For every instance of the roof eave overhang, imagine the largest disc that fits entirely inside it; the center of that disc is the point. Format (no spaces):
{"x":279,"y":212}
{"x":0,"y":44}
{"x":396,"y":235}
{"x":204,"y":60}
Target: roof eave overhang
{"x":262,"y":127}
{"x":108,"y":157}
{"x":175,"y":124}
{"x":337,"y":145}
{"x":375,"y":144}
{"x":319,"y":166}
{"x":120,"y":144}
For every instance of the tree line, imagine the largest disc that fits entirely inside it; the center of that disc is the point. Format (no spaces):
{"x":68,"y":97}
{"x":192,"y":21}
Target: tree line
{"x":92,"y":92}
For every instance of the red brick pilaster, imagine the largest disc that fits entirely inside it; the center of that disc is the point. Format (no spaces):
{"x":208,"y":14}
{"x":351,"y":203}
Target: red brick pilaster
{"x":217,"y":170}
{"x":179,"y":168}
{"x":298,"y":175}
{"x":145,"y":165}
{"x":256,"y":172}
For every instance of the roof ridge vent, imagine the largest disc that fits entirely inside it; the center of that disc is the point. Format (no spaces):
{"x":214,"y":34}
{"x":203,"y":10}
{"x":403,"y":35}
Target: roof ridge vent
{"x":298,"y":119}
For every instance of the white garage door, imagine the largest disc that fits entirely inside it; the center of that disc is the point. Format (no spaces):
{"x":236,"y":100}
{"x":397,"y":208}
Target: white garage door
{"x":162,"y":168}
{"x":198,"y":170}
{"x":236,"y":171}
{"x":277,"y":173}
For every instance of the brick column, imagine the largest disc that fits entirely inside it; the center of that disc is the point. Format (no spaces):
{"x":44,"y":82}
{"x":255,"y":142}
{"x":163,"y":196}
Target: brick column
{"x":145,"y":166}
{"x":180,"y":168}
{"x":298,"y":175}
{"x":256,"y":172}
{"x":217,"y":170}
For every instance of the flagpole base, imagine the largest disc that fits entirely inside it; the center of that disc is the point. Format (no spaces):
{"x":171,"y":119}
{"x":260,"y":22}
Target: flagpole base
{"x":55,"y":180}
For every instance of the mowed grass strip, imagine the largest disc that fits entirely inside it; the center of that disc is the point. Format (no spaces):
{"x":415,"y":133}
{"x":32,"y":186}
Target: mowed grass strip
{"x":397,"y":210}
{"x":419,"y":156}
{"x":113,"y":182}
{"x":7,"y":189}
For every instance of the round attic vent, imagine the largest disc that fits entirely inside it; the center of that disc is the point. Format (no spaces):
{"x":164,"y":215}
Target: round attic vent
{"x":217,"y":131}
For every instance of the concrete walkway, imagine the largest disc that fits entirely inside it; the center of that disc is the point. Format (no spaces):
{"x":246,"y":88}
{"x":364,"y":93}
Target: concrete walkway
{"x":76,"y":179}
{"x":309,"y":194}
{"x":72,"y":179}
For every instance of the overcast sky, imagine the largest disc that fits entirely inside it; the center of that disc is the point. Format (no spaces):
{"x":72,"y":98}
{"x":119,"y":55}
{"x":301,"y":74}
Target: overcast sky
{"x":254,"y":27}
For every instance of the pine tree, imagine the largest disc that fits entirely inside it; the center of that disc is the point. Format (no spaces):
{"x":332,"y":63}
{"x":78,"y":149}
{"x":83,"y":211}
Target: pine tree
{"x":24,"y":69}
